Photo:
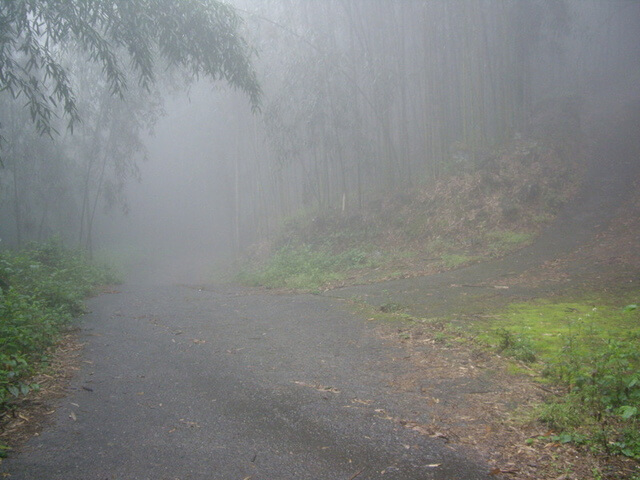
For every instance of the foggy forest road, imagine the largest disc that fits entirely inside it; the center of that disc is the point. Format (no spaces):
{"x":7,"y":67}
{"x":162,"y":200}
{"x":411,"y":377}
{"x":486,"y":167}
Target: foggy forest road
{"x":224,"y":383}
{"x":186,"y":383}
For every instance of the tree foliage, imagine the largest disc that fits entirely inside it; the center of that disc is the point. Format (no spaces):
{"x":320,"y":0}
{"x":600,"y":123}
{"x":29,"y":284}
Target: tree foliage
{"x":202,"y":37}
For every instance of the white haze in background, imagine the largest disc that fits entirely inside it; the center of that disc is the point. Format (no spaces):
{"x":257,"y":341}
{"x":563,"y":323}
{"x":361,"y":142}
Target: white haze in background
{"x":179,"y":220}
{"x":184,"y":215}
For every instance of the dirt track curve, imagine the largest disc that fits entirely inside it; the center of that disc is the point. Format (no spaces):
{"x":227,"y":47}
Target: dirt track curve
{"x":613,"y":167}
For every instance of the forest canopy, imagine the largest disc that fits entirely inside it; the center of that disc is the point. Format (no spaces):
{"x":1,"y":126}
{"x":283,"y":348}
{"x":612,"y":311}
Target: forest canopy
{"x":120,"y":36}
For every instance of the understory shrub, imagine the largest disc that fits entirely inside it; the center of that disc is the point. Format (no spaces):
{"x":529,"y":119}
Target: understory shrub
{"x":41,"y":290}
{"x":603,"y":399}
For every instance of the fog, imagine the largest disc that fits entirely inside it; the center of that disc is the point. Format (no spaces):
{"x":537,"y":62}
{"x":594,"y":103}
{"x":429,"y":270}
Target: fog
{"x":358,"y":98}
{"x":180,"y":220}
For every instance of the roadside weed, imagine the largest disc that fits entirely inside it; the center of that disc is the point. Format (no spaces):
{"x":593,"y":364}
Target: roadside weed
{"x":456,"y":260}
{"x":594,"y":352}
{"x":502,"y":241}
{"x":307,"y":267}
{"x":41,"y":291}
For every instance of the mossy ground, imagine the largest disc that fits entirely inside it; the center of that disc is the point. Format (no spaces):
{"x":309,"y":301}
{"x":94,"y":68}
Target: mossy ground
{"x":550,"y":324}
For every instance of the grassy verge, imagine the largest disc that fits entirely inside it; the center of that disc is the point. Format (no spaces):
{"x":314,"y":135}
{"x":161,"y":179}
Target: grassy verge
{"x":501,"y":242}
{"x":41,"y":290}
{"x":591,"y":348}
{"x":585,"y":349}
{"x":340,"y":259}
{"x":308,"y":268}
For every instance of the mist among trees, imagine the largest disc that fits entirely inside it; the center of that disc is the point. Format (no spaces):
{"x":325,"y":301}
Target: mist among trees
{"x":210,"y":125}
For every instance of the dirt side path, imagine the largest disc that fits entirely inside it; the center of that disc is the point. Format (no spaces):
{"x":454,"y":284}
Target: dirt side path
{"x":608,"y":191}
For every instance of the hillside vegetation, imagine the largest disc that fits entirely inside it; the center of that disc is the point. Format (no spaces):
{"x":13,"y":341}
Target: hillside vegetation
{"x":482,"y":209}
{"x":42,"y":289}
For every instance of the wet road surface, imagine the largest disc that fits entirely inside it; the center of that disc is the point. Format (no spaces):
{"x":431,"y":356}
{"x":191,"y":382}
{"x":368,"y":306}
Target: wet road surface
{"x":189,"y":383}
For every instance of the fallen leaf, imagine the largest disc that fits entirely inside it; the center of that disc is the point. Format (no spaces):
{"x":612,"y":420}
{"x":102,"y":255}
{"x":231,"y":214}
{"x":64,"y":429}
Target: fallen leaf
{"x":420,"y":429}
{"x":189,"y":424}
{"x":498,"y":471}
{"x":320,"y":388}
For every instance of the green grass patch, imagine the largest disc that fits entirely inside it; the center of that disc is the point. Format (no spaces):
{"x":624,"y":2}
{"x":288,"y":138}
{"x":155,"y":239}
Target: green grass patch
{"x":592,"y":348}
{"x":308,"y":268}
{"x":456,"y":260}
{"x":41,"y":290}
{"x":502,"y":241}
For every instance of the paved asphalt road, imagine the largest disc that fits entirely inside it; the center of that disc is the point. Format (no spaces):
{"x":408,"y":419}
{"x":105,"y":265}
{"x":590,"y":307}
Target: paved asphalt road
{"x":226,"y":384}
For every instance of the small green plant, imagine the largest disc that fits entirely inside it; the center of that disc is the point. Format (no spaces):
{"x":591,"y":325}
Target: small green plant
{"x":4,"y":450}
{"x":307,"y":267}
{"x":440,"y":337}
{"x":391,"y":307}
{"x":518,"y":346}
